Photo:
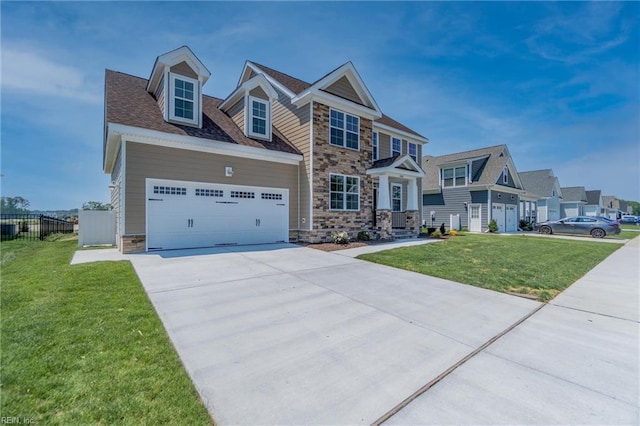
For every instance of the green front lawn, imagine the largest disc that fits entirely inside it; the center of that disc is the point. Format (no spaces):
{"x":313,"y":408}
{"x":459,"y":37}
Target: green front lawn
{"x":83,"y":345}
{"x":540,"y":267}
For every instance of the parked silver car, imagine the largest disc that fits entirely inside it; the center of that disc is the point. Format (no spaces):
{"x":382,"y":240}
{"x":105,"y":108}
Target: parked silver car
{"x":597,"y":227}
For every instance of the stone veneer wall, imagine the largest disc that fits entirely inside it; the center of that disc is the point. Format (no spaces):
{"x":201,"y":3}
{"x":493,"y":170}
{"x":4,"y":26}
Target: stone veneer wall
{"x":133,"y":243}
{"x":384,"y":224}
{"x":329,"y":159}
{"x":413,"y":221}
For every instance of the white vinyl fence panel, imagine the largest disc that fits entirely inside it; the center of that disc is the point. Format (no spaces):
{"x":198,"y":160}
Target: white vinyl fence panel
{"x":96,"y":227}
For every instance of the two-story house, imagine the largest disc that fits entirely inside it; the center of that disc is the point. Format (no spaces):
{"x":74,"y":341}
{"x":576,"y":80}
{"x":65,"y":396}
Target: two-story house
{"x":547,"y":187}
{"x":473,"y":186}
{"x":278,"y":159}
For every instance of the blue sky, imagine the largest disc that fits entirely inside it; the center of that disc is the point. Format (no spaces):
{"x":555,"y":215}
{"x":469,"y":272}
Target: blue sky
{"x":559,"y":83}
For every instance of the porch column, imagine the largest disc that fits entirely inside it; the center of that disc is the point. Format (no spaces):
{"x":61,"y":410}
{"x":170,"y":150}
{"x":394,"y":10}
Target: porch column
{"x":384,"y":199}
{"x":412,"y":195}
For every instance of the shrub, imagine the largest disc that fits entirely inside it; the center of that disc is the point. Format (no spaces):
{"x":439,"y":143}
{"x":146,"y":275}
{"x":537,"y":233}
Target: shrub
{"x":453,"y":232}
{"x":340,"y":238}
{"x":526,"y":226}
{"x":364,"y":236}
{"x":464,"y":230}
{"x":493,"y":226}
{"x":436,"y":234}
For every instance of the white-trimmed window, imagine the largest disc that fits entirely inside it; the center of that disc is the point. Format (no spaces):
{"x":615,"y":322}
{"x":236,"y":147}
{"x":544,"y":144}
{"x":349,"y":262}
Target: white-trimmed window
{"x":396,"y":197}
{"x":396,"y":146}
{"x":344,"y":192}
{"x":184,"y":99}
{"x":505,"y":175}
{"x":454,"y":176}
{"x":259,"y":118}
{"x":344,"y":129}
{"x":375,"y":146}
{"x":413,"y":151}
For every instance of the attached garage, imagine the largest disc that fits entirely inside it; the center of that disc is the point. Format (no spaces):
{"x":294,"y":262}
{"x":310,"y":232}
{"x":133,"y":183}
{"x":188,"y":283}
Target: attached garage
{"x":182,"y":214}
{"x":512,"y":218}
{"x":497,"y":213}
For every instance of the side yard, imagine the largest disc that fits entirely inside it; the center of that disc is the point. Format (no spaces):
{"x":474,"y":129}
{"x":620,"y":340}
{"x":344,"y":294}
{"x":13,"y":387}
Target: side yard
{"x":83,"y":345}
{"x":536,"y":267}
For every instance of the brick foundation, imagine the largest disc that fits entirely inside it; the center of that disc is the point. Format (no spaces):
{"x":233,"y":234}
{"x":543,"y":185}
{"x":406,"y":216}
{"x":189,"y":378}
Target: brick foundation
{"x":133,"y":243}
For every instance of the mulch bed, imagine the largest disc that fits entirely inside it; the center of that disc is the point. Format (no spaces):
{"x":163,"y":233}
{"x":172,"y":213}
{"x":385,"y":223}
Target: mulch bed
{"x":335,"y":247}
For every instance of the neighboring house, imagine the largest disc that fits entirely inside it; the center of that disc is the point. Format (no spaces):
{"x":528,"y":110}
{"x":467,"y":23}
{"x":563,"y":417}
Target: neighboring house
{"x":279,"y":159}
{"x":547,"y":187}
{"x":574,"y":198}
{"x":476,"y":186}
{"x":611,"y":207}
{"x":594,"y":203}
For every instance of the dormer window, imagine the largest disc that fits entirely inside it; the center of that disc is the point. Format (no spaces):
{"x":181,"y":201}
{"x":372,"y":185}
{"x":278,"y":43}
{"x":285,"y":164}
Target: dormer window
{"x":259,"y":118}
{"x":184,"y":97}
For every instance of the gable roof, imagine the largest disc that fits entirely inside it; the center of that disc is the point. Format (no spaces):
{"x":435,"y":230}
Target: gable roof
{"x":174,"y":57}
{"x":127,"y":102}
{"x":539,"y":182}
{"x":495,"y":159}
{"x":297,"y":86}
{"x":573,"y":194}
{"x":399,"y":164}
{"x":593,"y":196}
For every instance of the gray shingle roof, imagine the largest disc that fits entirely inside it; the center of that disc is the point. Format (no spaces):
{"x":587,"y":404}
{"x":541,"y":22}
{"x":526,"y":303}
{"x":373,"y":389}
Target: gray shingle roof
{"x":496,"y":158}
{"x":128,"y":102}
{"x":593,"y":196}
{"x":573,"y":194}
{"x":539,"y":182}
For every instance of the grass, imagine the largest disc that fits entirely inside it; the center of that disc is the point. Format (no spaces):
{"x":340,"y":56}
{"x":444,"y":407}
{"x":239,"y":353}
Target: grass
{"x":83,"y":345}
{"x":538,"y":267}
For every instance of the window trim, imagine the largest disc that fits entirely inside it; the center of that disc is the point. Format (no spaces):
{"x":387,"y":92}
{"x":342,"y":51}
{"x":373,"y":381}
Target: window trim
{"x":415,"y":145}
{"x":466,"y":180}
{"x":375,"y":142}
{"x":344,"y":192}
{"x":344,"y":129}
{"x":393,"y":138}
{"x":172,"y":99}
{"x":249,"y":118}
{"x":393,"y":186}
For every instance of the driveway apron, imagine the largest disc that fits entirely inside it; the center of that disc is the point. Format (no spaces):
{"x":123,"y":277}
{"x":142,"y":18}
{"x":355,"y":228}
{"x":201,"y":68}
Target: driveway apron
{"x":282,"y":334}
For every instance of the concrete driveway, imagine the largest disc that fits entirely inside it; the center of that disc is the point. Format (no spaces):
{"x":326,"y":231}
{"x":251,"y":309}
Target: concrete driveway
{"x":282,"y":334}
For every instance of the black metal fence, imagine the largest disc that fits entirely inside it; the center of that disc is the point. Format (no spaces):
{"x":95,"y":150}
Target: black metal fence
{"x":32,"y":226}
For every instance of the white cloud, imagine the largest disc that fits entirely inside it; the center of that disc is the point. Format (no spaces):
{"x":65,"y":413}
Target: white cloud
{"x":27,"y":71}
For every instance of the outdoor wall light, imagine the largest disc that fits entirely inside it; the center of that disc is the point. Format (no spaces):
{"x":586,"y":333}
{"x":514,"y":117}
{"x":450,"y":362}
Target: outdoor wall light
{"x":228,"y":171}
{"x":465,"y":204}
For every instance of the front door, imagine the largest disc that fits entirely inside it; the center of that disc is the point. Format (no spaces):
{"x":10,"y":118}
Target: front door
{"x":475,"y":218}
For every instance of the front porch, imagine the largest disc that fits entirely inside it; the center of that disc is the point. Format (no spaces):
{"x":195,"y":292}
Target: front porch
{"x":397,"y":182}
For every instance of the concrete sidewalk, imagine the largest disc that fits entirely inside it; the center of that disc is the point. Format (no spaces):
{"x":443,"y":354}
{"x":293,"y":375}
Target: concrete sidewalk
{"x":576,"y":361}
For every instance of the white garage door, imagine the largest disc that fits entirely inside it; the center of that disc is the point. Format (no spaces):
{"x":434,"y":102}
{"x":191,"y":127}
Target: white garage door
{"x":497,"y":213}
{"x":191,"y":214}
{"x":512,"y":218}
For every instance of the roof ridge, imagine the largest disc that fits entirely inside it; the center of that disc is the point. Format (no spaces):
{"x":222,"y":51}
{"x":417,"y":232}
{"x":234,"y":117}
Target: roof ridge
{"x":488,"y":148}
{"x":279,"y":72}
